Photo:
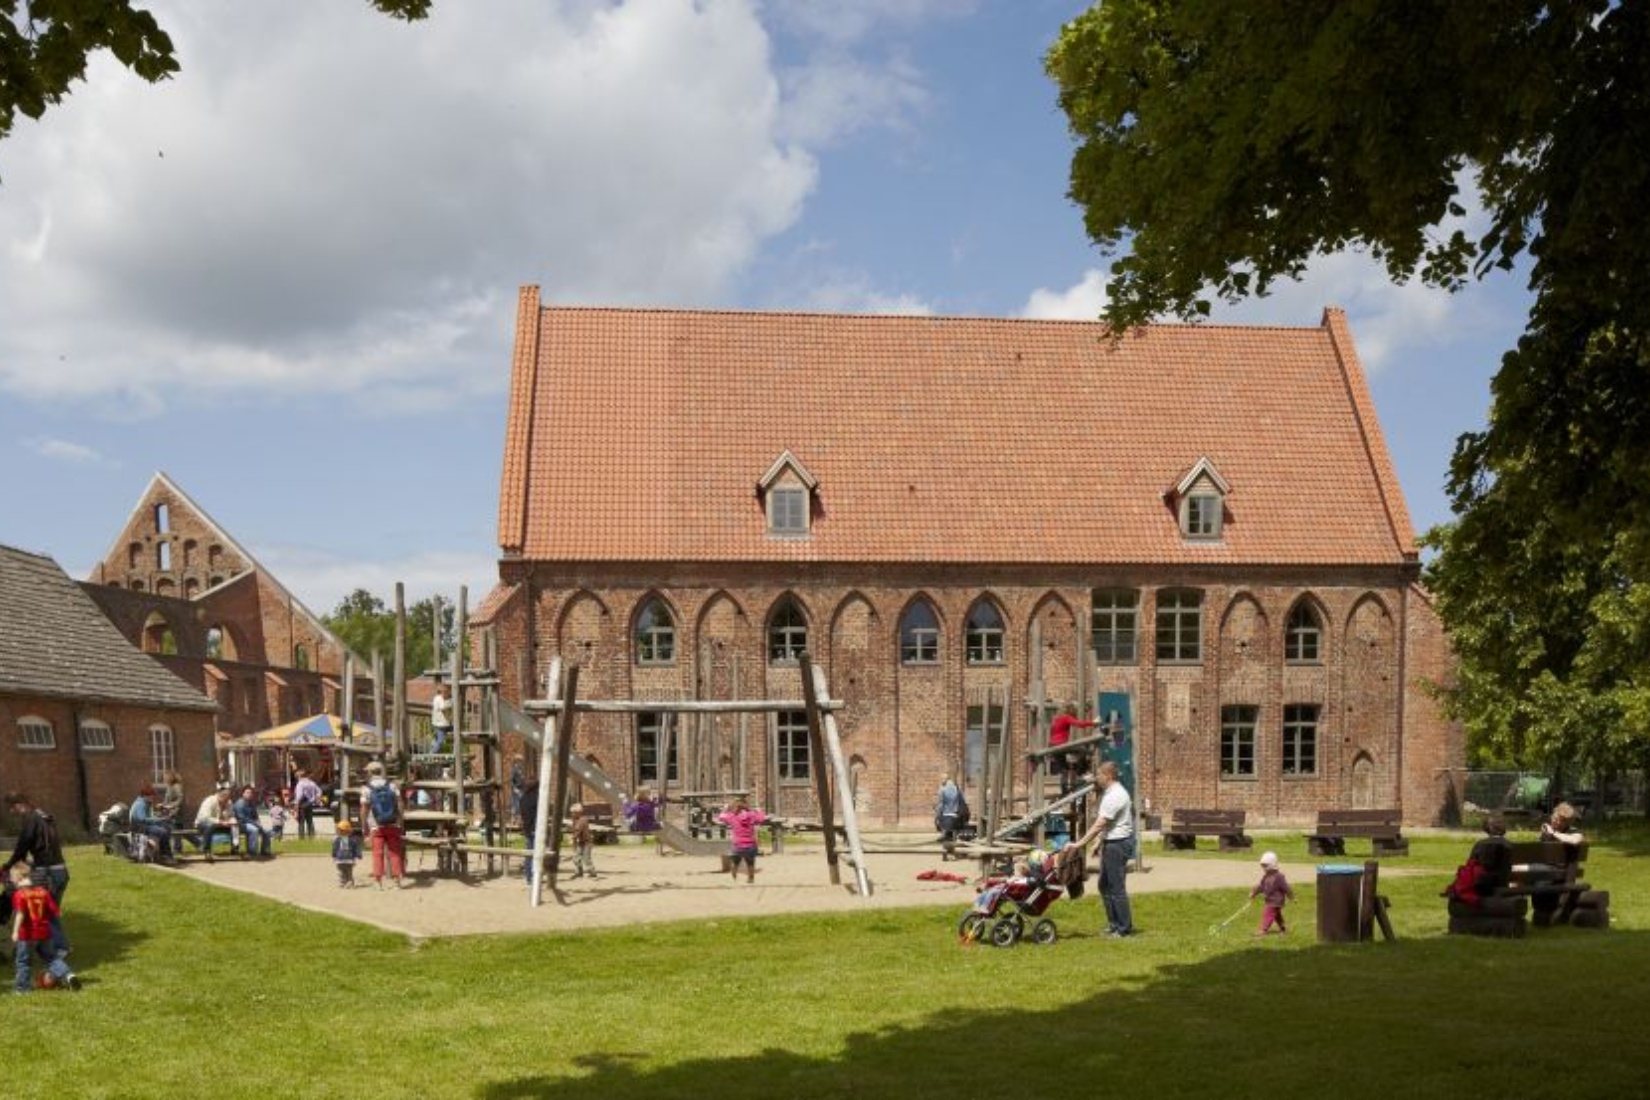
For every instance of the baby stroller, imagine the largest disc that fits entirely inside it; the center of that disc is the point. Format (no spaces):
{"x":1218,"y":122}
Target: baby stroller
{"x":1008,"y":905}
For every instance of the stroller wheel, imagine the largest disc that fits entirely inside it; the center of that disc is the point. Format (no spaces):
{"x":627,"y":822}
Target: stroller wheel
{"x":971,"y":927}
{"x":1005,"y":933}
{"x":1044,"y":932}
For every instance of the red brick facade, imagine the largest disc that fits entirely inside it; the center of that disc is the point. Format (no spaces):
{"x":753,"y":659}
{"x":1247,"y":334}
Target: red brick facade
{"x":77,"y":783}
{"x":1378,"y":741}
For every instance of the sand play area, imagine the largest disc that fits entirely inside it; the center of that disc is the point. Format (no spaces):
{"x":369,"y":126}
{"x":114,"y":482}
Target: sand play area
{"x":638,"y":884}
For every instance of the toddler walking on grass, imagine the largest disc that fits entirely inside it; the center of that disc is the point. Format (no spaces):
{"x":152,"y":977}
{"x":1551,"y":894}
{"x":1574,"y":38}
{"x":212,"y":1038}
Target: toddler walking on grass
{"x":33,"y":910}
{"x":1273,"y":889}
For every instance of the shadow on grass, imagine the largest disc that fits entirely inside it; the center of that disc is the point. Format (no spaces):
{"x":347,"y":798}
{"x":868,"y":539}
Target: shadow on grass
{"x":1425,"y":1018}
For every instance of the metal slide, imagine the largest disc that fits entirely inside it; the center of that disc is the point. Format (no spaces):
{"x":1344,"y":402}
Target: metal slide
{"x":591,"y":776}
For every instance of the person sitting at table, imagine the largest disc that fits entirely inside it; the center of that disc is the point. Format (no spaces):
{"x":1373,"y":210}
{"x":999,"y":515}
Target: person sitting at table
{"x":253,"y":833}
{"x":1561,"y":826}
{"x":146,"y":818}
{"x":213,"y":819}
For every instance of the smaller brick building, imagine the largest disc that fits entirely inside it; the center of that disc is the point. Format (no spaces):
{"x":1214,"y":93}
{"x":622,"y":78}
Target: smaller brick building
{"x":85,"y":717}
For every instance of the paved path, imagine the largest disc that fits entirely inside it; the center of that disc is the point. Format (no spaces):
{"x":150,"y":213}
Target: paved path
{"x":638,"y":885}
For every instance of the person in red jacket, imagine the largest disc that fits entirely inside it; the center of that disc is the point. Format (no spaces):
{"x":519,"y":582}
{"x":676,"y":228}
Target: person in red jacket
{"x":1070,"y":764}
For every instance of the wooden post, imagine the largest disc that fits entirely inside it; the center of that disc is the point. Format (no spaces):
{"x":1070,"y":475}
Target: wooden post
{"x":1036,"y":736}
{"x":1005,"y":774}
{"x":833,"y":744}
{"x":816,"y":753}
{"x":398,"y":703}
{"x":435,"y":634}
{"x":564,"y":749}
{"x":547,"y":744}
{"x":455,"y":700}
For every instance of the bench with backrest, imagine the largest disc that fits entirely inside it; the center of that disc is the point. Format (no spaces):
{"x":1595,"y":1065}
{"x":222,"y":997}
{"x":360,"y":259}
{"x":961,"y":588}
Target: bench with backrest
{"x":1546,"y":882}
{"x":1185,"y":826}
{"x":602,"y":828}
{"x":1382,"y":827}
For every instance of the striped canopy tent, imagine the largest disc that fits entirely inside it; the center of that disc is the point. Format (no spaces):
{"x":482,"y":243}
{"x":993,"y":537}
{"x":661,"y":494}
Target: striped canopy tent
{"x":321,"y":729}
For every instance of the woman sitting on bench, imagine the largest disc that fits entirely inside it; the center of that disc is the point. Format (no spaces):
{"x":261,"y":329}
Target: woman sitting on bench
{"x":1561,"y":826}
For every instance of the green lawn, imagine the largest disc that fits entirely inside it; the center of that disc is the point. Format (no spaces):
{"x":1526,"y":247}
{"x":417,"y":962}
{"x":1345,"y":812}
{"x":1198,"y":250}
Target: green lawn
{"x":196,"y":991}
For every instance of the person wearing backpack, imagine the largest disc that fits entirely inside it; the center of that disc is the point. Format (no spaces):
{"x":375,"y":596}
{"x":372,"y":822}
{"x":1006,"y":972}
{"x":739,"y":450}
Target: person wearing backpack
{"x":381,"y":812}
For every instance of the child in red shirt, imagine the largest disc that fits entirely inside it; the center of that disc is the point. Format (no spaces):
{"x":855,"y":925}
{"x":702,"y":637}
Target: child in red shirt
{"x":33,"y":910}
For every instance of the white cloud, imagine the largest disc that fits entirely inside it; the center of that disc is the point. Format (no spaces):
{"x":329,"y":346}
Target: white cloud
{"x":834,"y":97}
{"x":326,"y":200}
{"x":854,"y":293}
{"x":844,"y":22}
{"x":1080,"y":302}
{"x":62,"y":450}
{"x":321,"y":579}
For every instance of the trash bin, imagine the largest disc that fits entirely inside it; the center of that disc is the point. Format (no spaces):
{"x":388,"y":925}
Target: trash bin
{"x":1339,"y":897}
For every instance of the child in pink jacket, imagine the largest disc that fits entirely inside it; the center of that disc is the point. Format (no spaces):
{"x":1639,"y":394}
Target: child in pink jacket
{"x":742,"y":821}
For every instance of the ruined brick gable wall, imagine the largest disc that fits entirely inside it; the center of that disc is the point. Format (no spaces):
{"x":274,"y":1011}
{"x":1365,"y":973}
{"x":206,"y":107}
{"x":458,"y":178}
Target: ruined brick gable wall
{"x":903,"y":726}
{"x":199,"y":557}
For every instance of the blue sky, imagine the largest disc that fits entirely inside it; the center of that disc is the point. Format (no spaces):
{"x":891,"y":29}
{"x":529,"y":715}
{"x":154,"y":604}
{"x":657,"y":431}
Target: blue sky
{"x":288,"y":276}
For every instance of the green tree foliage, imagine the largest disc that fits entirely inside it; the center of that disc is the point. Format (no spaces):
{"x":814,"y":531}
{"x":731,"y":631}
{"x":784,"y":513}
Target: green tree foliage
{"x":1222,"y":145}
{"x":45,"y":45}
{"x":367,"y":626}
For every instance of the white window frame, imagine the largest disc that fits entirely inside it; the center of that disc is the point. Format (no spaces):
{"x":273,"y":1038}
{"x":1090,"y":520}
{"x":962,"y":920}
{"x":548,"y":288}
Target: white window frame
{"x":1303,"y":631}
{"x":103,"y":739}
{"x":650,"y":729}
{"x":35,"y":734}
{"x":1302,"y":724}
{"x":655,"y":634}
{"x":163,"y":752}
{"x":1201,"y":515}
{"x":1114,"y":625}
{"x":783,"y":645}
{"x":985,"y":643}
{"x":788,"y":511}
{"x":1239,"y":729}
{"x":919,"y":641}
{"x":793,"y":747}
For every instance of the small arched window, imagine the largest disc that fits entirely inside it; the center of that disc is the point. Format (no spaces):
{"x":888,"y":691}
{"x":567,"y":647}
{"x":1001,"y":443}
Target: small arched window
{"x":655,"y":634}
{"x":1303,"y":635}
{"x":919,"y":635}
{"x":787,"y":633}
{"x":34,"y":732}
{"x":984,"y":634}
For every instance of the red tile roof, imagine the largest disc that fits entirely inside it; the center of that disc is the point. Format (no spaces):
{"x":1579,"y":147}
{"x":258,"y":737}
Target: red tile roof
{"x":640,"y":435}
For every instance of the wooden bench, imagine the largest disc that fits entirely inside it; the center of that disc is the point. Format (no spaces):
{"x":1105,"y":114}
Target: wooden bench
{"x":1546,"y":883}
{"x":602,"y":828}
{"x":1382,"y":827}
{"x":1185,"y":826}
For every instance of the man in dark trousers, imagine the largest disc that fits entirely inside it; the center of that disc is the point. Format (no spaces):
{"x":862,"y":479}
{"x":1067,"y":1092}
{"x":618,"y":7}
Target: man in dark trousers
{"x":39,"y":845}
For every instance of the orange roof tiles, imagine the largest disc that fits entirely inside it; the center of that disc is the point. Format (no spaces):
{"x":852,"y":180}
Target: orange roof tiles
{"x":640,"y":435}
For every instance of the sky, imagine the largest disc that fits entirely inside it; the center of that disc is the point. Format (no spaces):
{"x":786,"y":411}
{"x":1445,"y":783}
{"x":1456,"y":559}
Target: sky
{"x":287,"y":277}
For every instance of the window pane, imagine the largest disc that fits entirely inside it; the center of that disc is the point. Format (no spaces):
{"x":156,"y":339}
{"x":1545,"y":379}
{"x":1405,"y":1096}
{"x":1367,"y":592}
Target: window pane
{"x":35,"y":733}
{"x":1179,"y":625}
{"x":1114,"y":625}
{"x":787,"y":633}
{"x":655,"y":635}
{"x":1300,"y":739}
{"x":919,"y":639}
{"x":1237,"y":740}
{"x":1303,"y":635}
{"x":649,"y":734}
{"x":984,"y":635}
{"x":793,"y":746}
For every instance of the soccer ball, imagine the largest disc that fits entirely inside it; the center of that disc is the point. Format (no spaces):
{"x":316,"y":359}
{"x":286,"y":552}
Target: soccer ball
{"x":48,"y":980}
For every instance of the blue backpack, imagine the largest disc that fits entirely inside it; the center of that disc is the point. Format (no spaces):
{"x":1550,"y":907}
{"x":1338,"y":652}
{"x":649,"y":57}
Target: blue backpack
{"x":386,"y":807}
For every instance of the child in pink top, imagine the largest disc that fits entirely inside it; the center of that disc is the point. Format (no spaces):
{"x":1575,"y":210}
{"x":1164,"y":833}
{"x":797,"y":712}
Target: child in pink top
{"x":742,"y":821}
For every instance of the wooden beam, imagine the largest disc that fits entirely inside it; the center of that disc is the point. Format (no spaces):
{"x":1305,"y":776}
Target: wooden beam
{"x":816,"y":754}
{"x":564,"y":749}
{"x":541,"y":815}
{"x":850,"y":817}
{"x":677,"y":706}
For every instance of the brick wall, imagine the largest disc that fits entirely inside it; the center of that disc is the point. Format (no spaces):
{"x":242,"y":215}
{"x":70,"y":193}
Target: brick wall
{"x":52,"y":776}
{"x":904,"y":725}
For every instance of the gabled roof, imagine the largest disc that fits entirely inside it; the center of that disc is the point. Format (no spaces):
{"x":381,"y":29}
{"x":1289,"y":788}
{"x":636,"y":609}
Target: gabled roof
{"x":55,"y":642}
{"x":1202,"y":468}
{"x":634,"y":435}
{"x":788,"y":461}
{"x":162,"y":481}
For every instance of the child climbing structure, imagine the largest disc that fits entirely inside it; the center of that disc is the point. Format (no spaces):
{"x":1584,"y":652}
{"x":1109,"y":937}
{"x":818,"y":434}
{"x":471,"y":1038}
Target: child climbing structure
{"x":557,"y":765}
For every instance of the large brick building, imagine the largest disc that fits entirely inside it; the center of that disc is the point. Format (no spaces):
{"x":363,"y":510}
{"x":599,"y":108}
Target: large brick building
{"x":955,"y":517}
{"x":85,"y":718}
{"x":180,"y":587}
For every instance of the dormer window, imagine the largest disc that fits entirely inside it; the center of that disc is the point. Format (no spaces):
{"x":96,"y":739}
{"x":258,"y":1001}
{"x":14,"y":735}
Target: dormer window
{"x":787,"y":491}
{"x":1200,"y":497}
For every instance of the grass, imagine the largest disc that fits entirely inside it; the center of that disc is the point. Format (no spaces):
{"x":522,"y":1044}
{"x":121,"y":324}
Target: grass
{"x":194,"y":990}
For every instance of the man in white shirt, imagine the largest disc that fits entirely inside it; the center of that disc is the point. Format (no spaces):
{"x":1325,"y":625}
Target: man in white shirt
{"x":1114,"y":828}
